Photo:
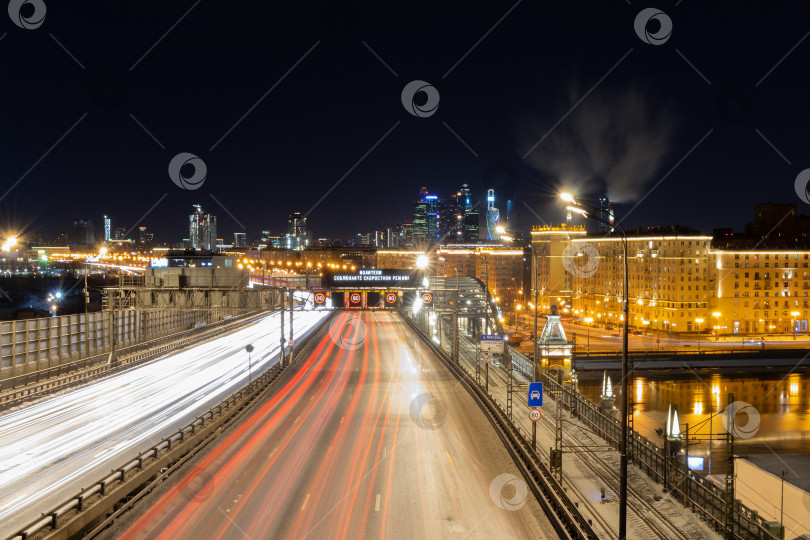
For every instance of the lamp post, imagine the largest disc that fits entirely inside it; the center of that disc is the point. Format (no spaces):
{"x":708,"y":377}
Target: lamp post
{"x":698,"y":321}
{"x":588,"y":321}
{"x":716,"y":316}
{"x":794,"y":314}
{"x":577,"y":207}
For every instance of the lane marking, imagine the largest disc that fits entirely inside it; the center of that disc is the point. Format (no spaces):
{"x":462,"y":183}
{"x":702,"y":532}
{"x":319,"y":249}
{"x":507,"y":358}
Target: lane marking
{"x":451,"y":459}
{"x":377,"y":503}
{"x":306,"y":500}
{"x":341,"y":419}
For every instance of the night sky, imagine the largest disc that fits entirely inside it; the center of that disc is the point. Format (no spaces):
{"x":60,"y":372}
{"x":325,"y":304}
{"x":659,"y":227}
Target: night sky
{"x":317,"y":86}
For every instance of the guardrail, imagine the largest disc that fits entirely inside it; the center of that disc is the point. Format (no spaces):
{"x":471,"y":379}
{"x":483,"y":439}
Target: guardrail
{"x":561,"y":512}
{"x":137,"y":477}
{"x":32,"y":385}
{"x":772,"y":351}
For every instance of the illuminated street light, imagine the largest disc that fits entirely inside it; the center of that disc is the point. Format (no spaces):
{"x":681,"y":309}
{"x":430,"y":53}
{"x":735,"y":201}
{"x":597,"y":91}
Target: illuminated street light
{"x":578,"y":210}
{"x":10,"y":242}
{"x":422,"y":261}
{"x":793,"y":322}
{"x":626,"y":371}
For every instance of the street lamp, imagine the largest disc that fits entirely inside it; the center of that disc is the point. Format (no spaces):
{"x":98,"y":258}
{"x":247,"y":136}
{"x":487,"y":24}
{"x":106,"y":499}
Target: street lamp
{"x":583,"y":210}
{"x":793,"y":322}
{"x":698,"y":321}
{"x":716,"y":316}
{"x":10,"y":242}
{"x":588,"y":321}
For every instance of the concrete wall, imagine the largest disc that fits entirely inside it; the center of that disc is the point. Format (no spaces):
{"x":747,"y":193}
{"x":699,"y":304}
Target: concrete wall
{"x":762,"y":491}
{"x":36,"y":344}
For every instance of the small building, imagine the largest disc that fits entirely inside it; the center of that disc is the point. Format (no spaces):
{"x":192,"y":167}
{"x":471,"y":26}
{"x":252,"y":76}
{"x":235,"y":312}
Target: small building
{"x":759,"y":485}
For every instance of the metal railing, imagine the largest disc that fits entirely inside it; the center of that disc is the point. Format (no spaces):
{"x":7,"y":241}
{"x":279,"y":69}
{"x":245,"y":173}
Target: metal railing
{"x":14,"y":389}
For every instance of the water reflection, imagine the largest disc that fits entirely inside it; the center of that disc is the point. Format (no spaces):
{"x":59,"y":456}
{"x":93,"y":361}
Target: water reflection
{"x":782,"y":401}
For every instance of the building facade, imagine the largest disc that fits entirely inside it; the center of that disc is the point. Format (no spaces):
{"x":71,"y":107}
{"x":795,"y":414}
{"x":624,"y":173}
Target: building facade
{"x":677,"y":283}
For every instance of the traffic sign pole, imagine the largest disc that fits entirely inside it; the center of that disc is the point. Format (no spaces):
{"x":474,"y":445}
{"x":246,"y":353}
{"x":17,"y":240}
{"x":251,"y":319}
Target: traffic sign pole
{"x":487,"y":387}
{"x":534,"y":436}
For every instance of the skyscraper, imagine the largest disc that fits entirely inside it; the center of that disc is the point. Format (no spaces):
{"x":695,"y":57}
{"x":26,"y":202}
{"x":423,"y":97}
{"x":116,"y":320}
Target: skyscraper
{"x":605,"y":214}
{"x":493,"y":216}
{"x":297,"y":238}
{"x":470,"y":215}
{"x":82,"y":233}
{"x":202,"y":229}
{"x":239,"y":239}
{"x":107,"y":228}
{"x":420,"y":218}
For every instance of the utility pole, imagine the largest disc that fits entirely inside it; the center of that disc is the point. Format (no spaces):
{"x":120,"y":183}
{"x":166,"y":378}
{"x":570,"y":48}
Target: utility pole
{"x":455,"y":325}
{"x":536,"y":359}
{"x":86,"y":317}
{"x":283,"y":298}
{"x":292,"y":338}
{"x":782,"y":507}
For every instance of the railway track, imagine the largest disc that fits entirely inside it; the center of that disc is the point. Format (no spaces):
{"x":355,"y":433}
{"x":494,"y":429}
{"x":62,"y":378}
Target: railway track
{"x":644,"y":517}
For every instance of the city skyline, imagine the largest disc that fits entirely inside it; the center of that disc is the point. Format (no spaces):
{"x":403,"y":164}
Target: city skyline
{"x":730,"y":112}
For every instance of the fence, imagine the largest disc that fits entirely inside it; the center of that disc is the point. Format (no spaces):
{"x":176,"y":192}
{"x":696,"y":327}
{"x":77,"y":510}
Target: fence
{"x":699,"y":494}
{"x":33,"y":345}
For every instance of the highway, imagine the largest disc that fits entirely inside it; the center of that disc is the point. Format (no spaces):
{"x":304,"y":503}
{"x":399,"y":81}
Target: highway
{"x":53,"y":448}
{"x":369,"y":437}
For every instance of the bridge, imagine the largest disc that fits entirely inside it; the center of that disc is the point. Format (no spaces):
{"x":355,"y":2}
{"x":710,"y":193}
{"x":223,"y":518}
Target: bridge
{"x":271,"y":414}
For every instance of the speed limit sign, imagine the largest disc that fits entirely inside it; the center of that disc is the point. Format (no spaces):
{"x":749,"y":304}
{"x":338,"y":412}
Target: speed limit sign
{"x":534,"y":415}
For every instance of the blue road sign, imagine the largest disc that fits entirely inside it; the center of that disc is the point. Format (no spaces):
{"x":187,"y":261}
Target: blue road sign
{"x":535,"y":394}
{"x":485,"y":337}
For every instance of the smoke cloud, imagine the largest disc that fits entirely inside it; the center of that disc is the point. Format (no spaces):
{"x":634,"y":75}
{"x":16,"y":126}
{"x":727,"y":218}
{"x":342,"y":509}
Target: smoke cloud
{"x":613,"y":142}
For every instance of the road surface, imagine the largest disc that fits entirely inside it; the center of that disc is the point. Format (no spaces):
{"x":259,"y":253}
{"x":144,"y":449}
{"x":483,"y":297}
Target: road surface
{"x":52,"y":449}
{"x":371,"y":437}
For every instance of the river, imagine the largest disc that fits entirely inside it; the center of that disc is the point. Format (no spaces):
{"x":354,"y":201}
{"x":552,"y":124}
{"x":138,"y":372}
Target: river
{"x":779,"y":419}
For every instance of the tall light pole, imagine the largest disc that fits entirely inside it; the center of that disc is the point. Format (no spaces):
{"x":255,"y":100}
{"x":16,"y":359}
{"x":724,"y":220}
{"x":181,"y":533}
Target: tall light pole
{"x":592,"y":213}
{"x":793,"y":323}
{"x":588,"y":321}
{"x":716,"y":316}
{"x":698,"y":321}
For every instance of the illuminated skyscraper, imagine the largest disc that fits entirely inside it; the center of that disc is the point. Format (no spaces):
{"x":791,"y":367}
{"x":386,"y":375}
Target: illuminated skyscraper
{"x":107,"y":228}
{"x":297,"y":238}
{"x":202,"y":229}
{"x":493,"y":216}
